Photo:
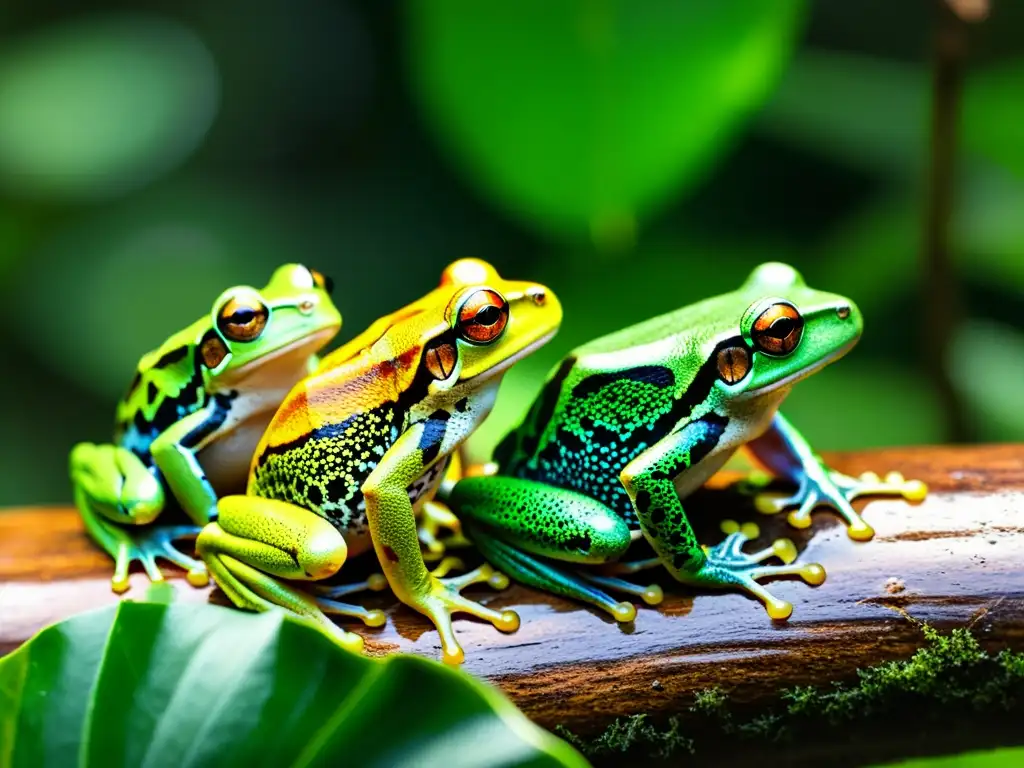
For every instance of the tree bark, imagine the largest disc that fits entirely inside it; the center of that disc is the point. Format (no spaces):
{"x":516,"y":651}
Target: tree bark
{"x":953,"y":560}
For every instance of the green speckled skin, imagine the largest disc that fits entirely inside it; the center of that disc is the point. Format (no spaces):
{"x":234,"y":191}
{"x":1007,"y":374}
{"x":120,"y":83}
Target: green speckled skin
{"x":631,"y":423}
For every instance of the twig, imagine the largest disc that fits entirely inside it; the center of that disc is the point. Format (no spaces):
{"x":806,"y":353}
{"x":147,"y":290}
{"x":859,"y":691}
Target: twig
{"x":942,"y":300}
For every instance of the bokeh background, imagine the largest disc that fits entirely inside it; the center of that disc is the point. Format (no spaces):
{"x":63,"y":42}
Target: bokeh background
{"x":634,"y":155}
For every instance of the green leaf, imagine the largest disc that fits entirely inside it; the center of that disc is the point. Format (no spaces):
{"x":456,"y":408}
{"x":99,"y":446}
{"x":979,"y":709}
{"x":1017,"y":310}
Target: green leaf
{"x":583,"y":116}
{"x":145,"y":684}
{"x":92,"y":109}
{"x":993,"y":758}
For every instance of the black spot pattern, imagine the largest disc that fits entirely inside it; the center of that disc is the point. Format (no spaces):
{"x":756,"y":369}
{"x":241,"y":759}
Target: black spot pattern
{"x":324,"y":471}
{"x":604,"y":426}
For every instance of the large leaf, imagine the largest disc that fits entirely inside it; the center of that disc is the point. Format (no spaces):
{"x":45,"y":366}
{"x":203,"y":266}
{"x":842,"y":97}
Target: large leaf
{"x":581,"y":116}
{"x":147,"y":684}
{"x":993,"y":758}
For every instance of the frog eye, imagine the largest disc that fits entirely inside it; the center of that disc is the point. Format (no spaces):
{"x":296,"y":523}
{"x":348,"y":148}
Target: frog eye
{"x":212,"y":350}
{"x":778,"y":329}
{"x":483,"y":316}
{"x":242,"y":319}
{"x":733,"y":364}
{"x":322,"y":281}
{"x":440,"y":358}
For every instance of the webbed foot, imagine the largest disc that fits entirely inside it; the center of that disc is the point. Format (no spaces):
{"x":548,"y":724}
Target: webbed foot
{"x":728,"y":566}
{"x":444,"y":597}
{"x":837,"y":490}
{"x":145,"y":545}
{"x":325,"y":596}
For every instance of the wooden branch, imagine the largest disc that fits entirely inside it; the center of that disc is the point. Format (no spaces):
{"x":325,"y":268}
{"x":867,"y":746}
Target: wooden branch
{"x":954,"y":560}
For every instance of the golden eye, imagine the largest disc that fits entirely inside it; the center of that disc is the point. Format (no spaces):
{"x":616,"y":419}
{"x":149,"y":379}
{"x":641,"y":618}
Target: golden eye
{"x":440,"y":358}
{"x":242,"y":319}
{"x":733,"y":364}
{"x":212,"y":350}
{"x":778,"y":329}
{"x":322,"y":281}
{"x":483,"y":316}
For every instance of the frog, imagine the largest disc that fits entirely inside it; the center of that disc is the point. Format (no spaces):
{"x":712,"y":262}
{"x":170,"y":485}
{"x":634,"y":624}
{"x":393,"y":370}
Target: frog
{"x":358,"y":448}
{"x":192,"y":415}
{"x":631,"y":424}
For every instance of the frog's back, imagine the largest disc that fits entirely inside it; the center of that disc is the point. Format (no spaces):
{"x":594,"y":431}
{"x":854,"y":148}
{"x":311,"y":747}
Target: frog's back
{"x":694,"y":319}
{"x":609,"y":401}
{"x":326,"y":438}
{"x":587,"y":425}
{"x":168,"y":385}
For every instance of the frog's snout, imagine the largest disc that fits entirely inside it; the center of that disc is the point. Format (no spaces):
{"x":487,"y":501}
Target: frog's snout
{"x":847,"y":319}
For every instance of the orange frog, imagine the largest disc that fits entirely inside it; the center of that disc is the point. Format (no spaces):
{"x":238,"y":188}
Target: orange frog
{"x":358,"y":449}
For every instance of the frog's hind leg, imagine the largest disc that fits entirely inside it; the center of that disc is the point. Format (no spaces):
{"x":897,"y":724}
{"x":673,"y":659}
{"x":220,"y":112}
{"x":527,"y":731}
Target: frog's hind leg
{"x":118,"y":498}
{"x":546,"y":576}
{"x":255,"y":542}
{"x":561,"y":525}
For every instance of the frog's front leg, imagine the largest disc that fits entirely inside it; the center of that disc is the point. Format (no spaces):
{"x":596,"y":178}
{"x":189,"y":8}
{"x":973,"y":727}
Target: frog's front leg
{"x":174,"y":452}
{"x":255,"y":542}
{"x":119,"y":497}
{"x":784,"y":451}
{"x":392,"y":523}
{"x":649,"y":481}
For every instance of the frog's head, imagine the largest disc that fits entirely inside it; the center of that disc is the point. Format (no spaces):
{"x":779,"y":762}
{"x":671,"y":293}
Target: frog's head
{"x":480,"y":324}
{"x":285,"y":322}
{"x":787,"y":331}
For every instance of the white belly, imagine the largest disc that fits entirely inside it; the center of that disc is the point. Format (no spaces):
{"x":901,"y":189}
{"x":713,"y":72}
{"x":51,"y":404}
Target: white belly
{"x":226,"y":460}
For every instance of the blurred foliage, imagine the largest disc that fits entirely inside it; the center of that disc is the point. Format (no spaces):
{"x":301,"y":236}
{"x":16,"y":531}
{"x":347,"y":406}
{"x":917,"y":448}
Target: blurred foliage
{"x":633,"y":156}
{"x":581,"y":116}
{"x":101,"y":106}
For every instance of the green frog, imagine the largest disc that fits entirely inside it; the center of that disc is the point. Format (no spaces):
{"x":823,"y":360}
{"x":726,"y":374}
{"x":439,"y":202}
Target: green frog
{"x":186,"y":428}
{"x":630,"y":424}
{"x":358,"y":449}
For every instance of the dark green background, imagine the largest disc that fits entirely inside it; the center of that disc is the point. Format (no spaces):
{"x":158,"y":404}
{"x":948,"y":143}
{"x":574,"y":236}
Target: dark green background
{"x":634,"y":156}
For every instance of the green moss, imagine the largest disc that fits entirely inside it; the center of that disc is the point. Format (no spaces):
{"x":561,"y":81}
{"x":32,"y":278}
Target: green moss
{"x":632,"y":735}
{"x":711,"y":702}
{"x":951,"y":673}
